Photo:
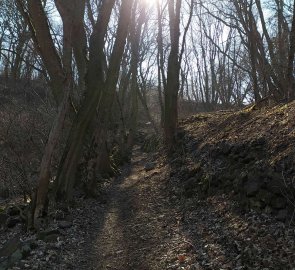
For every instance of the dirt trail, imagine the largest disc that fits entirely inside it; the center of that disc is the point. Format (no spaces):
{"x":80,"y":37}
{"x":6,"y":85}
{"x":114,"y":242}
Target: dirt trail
{"x":139,"y":227}
{"x":146,"y":224}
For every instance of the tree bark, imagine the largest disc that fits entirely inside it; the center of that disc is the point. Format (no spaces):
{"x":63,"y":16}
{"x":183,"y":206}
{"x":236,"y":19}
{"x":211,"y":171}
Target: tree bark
{"x":44,"y":44}
{"x":291,"y":54}
{"x":39,"y":28}
{"x":44,"y":177}
{"x":172,"y":87}
{"x":135,"y":31}
{"x":99,"y":93}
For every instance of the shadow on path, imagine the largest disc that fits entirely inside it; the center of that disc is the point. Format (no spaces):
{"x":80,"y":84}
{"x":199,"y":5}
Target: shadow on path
{"x":145,"y":226}
{"x":137,"y":228}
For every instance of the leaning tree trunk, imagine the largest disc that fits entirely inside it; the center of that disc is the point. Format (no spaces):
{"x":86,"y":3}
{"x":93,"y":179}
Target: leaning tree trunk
{"x":39,"y":210}
{"x":43,"y":42}
{"x":100,"y":164}
{"x":94,"y":84}
{"x":96,"y":90}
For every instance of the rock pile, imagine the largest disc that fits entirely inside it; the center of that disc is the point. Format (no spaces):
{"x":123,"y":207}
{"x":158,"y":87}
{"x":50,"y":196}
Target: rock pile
{"x":238,"y":166}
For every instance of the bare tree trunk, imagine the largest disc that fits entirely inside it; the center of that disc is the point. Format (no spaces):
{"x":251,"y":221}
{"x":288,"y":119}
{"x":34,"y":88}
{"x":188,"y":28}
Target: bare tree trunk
{"x":41,"y":197}
{"x":253,"y":59}
{"x":74,"y":39}
{"x":64,"y":9}
{"x":290,"y":69}
{"x":171,"y":91}
{"x":136,"y":28}
{"x":37,"y":21}
{"x":99,"y":92}
{"x":16,"y":66}
{"x":160,"y":62}
{"x":94,"y":85}
{"x":80,"y":43}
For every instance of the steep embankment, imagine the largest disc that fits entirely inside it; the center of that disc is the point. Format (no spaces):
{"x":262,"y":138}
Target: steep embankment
{"x":249,"y":154}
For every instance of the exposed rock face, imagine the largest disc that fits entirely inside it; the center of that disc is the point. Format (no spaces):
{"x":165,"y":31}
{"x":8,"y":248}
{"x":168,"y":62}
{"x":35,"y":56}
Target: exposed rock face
{"x":256,"y":183}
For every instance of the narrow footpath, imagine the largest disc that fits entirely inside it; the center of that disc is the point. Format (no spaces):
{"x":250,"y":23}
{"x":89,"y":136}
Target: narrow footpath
{"x":144,"y":225}
{"x":139,"y":229}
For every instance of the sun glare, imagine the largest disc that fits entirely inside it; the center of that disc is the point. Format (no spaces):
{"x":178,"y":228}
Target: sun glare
{"x":152,"y":2}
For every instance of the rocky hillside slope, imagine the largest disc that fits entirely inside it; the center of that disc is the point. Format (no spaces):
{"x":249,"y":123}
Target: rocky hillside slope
{"x":248,"y":154}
